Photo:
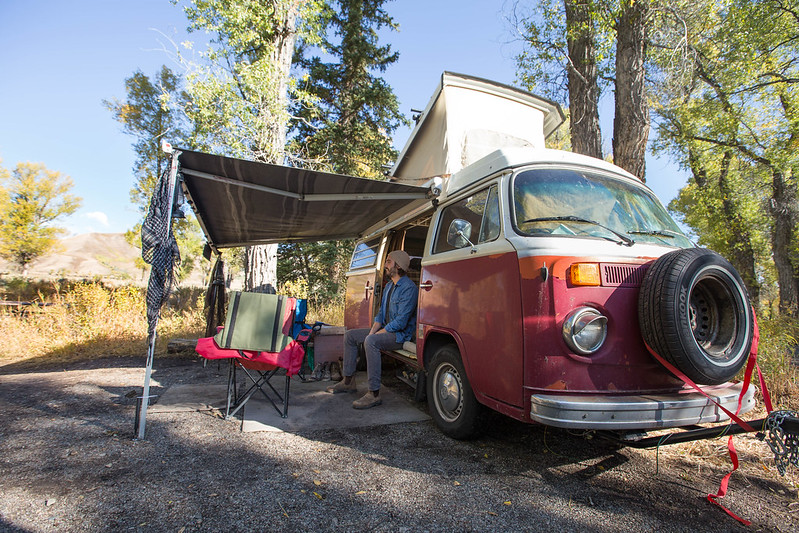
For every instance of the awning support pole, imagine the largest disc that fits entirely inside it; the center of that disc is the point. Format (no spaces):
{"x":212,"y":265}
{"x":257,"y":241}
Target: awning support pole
{"x":145,"y":400}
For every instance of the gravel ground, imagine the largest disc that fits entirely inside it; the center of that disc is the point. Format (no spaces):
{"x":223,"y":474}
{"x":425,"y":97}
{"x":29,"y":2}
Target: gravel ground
{"x":68,"y":462}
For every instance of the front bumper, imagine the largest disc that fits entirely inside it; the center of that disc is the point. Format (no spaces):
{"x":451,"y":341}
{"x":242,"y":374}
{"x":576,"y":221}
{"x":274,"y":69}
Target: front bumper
{"x":647,"y":411}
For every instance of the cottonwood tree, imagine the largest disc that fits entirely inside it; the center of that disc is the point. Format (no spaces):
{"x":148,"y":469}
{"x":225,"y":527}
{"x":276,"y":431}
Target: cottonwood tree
{"x":575,"y":48}
{"x":722,"y":204}
{"x":240,"y":96}
{"x":582,"y":72}
{"x":631,"y":115}
{"x":729,"y":79}
{"x":32,"y":199}
{"x":559,"y":59}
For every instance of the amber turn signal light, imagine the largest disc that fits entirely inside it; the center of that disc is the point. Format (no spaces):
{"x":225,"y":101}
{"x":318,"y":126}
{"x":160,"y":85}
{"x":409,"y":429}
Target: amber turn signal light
{"x":585,"y":274}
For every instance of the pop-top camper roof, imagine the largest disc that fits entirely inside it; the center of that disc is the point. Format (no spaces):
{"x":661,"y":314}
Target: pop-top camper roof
{"x":468,"y":118}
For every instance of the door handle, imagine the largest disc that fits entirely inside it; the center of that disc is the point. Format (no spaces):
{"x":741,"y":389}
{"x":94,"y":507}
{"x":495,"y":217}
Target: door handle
{"x":427,"y":285}
{"x":366,"y":289}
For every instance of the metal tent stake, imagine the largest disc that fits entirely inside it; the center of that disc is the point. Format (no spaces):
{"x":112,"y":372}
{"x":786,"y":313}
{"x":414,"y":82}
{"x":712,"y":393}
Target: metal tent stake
{"x":144,"y":401}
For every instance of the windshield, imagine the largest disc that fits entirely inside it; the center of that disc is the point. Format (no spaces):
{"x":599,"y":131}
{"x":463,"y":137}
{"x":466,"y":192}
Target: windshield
{"x":567,"y":203}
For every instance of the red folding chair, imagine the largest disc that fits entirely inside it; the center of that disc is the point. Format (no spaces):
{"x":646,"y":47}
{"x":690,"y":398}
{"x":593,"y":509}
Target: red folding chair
{"x":258,"y":319}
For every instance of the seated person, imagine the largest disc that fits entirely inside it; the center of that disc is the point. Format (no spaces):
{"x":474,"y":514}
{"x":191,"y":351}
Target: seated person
{"x":393,"y":325}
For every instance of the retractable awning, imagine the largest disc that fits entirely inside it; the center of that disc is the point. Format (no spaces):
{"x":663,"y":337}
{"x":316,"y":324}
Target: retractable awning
{"x":240,"y":203}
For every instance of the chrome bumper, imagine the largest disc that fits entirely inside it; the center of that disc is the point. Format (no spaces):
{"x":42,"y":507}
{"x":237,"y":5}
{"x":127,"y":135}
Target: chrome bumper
{"x":646,"y":411}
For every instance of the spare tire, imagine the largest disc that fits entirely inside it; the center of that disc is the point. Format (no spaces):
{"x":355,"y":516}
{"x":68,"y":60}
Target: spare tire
{"x":694,"y":312}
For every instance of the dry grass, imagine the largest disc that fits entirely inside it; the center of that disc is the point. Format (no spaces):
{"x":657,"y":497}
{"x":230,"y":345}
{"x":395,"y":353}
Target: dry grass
{"x":710,"y":459}
{"x":777,"y":358}
{"x":90,"y":321}
{"x":331,"y":312}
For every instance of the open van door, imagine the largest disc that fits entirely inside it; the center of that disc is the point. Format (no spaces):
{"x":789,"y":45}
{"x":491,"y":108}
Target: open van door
{"x":362,"y":278}
{"x":365,"y":275}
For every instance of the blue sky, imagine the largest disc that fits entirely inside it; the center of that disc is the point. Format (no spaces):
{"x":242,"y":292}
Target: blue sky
{"x":60,"y":59}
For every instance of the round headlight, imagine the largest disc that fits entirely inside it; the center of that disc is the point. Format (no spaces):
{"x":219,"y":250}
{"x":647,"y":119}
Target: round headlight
{"x":584,"y":330}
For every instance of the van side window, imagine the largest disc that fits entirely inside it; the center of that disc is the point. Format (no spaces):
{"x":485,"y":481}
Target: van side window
{"x":490,"y":227}
{"x":365,"y":254}
{"x":481,"y":210}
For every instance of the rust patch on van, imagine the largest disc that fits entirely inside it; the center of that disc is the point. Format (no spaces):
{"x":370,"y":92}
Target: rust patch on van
{"x":558,"y":385}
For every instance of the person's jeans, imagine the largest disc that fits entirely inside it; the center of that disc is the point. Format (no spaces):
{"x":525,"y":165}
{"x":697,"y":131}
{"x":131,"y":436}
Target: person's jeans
{"x":372,"y":345}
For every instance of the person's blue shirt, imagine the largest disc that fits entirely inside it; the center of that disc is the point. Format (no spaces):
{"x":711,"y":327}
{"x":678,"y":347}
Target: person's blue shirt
{"x":402,"y":309}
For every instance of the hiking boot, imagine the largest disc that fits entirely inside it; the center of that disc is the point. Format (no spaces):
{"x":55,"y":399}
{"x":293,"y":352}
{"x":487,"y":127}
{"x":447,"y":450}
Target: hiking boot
{"x":318,"y":371}
{"x":368,"y":400}
{"x":335,"y":372}
{"x":341,"y":386}
{"x":326,"y":372}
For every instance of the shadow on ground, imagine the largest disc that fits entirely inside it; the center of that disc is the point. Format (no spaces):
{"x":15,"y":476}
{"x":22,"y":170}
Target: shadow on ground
{"x":69,"y":462}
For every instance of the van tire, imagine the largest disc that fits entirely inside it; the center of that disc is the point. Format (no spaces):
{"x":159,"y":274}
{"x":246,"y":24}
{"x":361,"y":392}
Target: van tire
{"x":450,"y":398}
{"x":694,"y":311}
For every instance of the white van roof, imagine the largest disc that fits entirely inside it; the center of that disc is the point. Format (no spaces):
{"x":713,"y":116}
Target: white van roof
{"x":509,"y":158}
{"x":500,"y":160}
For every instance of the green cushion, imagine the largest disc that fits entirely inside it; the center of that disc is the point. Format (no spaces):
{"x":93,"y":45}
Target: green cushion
{"x":254,"y":322}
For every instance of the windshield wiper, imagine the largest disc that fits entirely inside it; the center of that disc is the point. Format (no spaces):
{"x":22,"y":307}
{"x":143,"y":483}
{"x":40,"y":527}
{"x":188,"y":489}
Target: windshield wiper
{"x":625,"y":240}
{"x":658,"y":232}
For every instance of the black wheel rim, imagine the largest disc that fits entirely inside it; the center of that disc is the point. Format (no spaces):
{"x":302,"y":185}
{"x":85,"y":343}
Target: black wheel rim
{"x":713,"y":315}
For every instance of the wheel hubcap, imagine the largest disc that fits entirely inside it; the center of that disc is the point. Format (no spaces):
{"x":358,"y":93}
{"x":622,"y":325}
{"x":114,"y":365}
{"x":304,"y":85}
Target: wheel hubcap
{"x":449,"y":398}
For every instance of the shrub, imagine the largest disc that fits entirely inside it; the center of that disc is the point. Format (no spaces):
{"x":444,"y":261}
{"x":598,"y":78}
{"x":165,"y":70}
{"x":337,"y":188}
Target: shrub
{"x":88,"y":320}
{"x":778,"y":355}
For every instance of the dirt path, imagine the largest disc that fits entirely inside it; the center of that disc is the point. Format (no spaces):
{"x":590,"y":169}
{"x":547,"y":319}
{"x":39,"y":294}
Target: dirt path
{"x":68,"y":463}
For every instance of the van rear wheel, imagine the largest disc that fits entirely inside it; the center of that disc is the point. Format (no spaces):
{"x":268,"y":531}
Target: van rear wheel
{"x":451,"y":401}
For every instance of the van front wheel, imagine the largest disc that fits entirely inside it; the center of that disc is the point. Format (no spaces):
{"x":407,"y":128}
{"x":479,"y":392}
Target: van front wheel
{"x":451,"y":400}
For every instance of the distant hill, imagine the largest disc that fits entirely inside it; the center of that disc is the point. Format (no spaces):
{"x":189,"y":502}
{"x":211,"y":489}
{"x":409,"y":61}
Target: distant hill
{"x":105,"y":255}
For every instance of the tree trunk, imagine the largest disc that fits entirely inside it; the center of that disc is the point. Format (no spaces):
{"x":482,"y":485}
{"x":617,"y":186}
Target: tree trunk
{"x":631,"y":120}
{"x":582,"y":72}
{"x":783,"y":211}
{"x":260,"y":268}
{"x":742,"y":251}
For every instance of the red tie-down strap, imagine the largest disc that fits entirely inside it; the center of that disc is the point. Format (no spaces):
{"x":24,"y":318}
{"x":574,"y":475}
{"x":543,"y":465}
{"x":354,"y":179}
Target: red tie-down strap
{"x":750,"y":366}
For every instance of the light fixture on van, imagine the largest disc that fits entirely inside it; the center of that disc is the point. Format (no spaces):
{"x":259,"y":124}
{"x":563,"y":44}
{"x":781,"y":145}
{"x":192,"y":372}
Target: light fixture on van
{"x":585,"y":274}
{"x":585,"y":329}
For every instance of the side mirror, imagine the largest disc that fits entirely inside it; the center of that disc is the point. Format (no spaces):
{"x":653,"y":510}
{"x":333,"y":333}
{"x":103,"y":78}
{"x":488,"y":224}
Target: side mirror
{"x":457,"y":233}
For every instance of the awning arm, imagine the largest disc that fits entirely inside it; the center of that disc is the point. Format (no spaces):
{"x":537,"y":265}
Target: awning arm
{"x":310,"y":197}
{"x":200,"y":221}
{"x":364,"y":196}
{"x":238,"y":183}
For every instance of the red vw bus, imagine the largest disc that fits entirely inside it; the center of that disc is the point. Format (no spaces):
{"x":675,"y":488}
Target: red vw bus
{"x":543,"y":277}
